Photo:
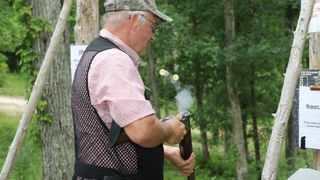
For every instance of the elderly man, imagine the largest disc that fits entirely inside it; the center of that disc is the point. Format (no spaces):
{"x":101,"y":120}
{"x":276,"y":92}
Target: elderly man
{"x":117,"y":134}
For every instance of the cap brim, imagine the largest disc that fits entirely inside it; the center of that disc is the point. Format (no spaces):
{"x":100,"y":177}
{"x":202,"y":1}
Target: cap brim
{"x":162,"y":16}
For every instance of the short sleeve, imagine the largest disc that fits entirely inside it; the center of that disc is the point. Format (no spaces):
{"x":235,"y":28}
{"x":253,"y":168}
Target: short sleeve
{"x":115,"y":83}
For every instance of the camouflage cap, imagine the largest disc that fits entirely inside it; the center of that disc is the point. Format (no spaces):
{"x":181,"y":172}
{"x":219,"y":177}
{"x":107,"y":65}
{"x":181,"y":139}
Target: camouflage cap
{"x":135,"y":5}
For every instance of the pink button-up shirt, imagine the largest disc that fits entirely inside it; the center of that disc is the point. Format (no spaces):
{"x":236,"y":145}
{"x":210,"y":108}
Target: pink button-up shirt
{"x":115,"y":86}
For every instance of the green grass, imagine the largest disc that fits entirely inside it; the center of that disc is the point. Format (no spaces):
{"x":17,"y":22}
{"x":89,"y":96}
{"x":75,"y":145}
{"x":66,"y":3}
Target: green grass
{"x":28,"y":163}
{"x":171,"y":173}
{"x":14,"y":85}
{"x":8,"y":125}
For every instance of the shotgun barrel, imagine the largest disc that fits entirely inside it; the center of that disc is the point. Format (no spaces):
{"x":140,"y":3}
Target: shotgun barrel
{"x":186,"y":144}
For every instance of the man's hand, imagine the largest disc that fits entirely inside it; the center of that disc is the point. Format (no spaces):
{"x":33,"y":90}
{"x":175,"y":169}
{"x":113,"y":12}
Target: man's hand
{"x":178,"y":129}
{"x":185,"y":167}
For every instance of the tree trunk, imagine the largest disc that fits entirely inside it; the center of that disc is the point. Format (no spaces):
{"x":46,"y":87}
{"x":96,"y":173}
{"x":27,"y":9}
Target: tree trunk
{"x":242,"y":164}
{"x":203,"y":131}
{"x":314,"y":51}
{"x":57,"y":140}
{"x":199,"y":87}
{"x":87,"y":21}
{"x":314,"y":63}
{"x":204,"y":146}
{"x":245,"y":135}
{"x":290,"y":148}
{"x":289,"y":15}
{"x":254,"y":117}
{"x":287,"y":95}
{"x":227,"y":131}
{"x":227,"y":137}
{"x":153,"y":80}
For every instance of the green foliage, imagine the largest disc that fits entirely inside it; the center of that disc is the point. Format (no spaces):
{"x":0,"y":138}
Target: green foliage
{"x":42,"y":112}
{"x":10,"y":34}
{"x":224,"y":166}
{"x":72,"y":21}
{"x":14,"y":84}
{"x":3,"y":70}
{"x":33,"y":27}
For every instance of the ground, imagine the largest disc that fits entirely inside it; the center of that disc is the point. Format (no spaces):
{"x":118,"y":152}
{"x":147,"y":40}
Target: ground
{"x":12,"y":105}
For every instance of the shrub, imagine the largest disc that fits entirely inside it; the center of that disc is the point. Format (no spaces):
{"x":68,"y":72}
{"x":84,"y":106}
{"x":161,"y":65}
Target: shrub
{"x":3,"y":69}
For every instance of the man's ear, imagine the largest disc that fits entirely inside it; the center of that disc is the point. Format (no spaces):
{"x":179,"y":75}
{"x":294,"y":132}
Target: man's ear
{"x":134,"y":21}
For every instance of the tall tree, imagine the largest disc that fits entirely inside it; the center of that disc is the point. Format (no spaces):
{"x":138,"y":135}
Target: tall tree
{"x":290,"y":150}
{"x":57,"y":140}
{"x":199,"y":92}
{"x":314,"y":63}
{"x":287,"y":94}
{"x":242,"y":164}
{"x":253,"y":103}
{"x":154,"y":85}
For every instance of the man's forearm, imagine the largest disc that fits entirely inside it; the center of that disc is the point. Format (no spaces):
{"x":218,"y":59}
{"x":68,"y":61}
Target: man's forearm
{"x":148,"y":131}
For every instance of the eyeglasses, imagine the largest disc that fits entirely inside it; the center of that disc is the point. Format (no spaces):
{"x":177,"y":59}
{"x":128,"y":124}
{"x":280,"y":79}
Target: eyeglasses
{"x":154,"y":23}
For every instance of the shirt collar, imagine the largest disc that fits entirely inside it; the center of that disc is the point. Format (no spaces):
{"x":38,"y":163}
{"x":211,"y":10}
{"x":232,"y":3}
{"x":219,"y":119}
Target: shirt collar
{"x":130,"y":52}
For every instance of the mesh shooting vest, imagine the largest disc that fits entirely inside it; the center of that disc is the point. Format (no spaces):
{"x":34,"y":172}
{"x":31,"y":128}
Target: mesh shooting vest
{"x":94,"y":157}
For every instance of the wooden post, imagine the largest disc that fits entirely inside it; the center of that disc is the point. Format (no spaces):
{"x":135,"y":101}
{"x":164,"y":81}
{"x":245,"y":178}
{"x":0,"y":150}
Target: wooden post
{"x":287,"y":95}
{"x":87,"y":21}
{"x":314,"y":63}
{"x":36,"y":91}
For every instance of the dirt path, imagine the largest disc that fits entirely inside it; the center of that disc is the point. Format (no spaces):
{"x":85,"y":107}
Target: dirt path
{"x":12,"y":105}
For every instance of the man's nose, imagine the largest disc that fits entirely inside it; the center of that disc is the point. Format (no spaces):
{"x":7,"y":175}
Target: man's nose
{"x":153,"y":37}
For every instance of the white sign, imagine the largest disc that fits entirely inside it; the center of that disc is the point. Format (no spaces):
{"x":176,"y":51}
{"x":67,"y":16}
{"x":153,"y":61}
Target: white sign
{"x":314,"y":25}
{"x":309,"y":118}
{"x":76,"y":54}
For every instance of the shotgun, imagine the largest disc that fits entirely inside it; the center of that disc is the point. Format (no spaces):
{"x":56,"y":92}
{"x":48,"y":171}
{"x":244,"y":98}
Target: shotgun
{"x":186,"y":144}
{"x":118,"y":136}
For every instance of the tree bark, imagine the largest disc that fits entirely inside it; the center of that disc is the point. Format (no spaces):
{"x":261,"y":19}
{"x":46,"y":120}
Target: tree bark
{"x":254,"y":117}
{"x":204,"y":146}
{"x":287,"y":95}
{"x":314,"y":63}
{"x":242,"y":164}
{"x":203,"y":131}
{"x":289,"y":15}
{"x":153,"y":80}
{"x":245,"y":134}
{"x":290,"y":148}
{"x":87,"y":21}
{"x":57,"y":141}
{"x":227,"y":136}
{"x":227,"y":131}
{"x":314,"y":51}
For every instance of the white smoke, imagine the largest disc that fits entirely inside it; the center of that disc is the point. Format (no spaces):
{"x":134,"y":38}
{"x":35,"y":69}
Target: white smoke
{"x":184,"y":99}
{"x":184,"y":95}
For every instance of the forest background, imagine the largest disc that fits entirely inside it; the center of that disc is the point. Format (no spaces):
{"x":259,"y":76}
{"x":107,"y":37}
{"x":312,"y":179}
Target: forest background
{"x":194,"y":46}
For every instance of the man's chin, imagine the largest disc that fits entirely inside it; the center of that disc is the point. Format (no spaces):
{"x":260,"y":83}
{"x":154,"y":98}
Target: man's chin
{"x":143,"y":51}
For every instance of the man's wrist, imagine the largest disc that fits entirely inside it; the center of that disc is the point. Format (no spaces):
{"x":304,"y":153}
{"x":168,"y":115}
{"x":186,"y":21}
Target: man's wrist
{"x":167,"y":130}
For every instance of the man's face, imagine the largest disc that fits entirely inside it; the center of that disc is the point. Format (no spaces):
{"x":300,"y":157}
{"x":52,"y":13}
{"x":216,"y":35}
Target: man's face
{"x":145,"y":32}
